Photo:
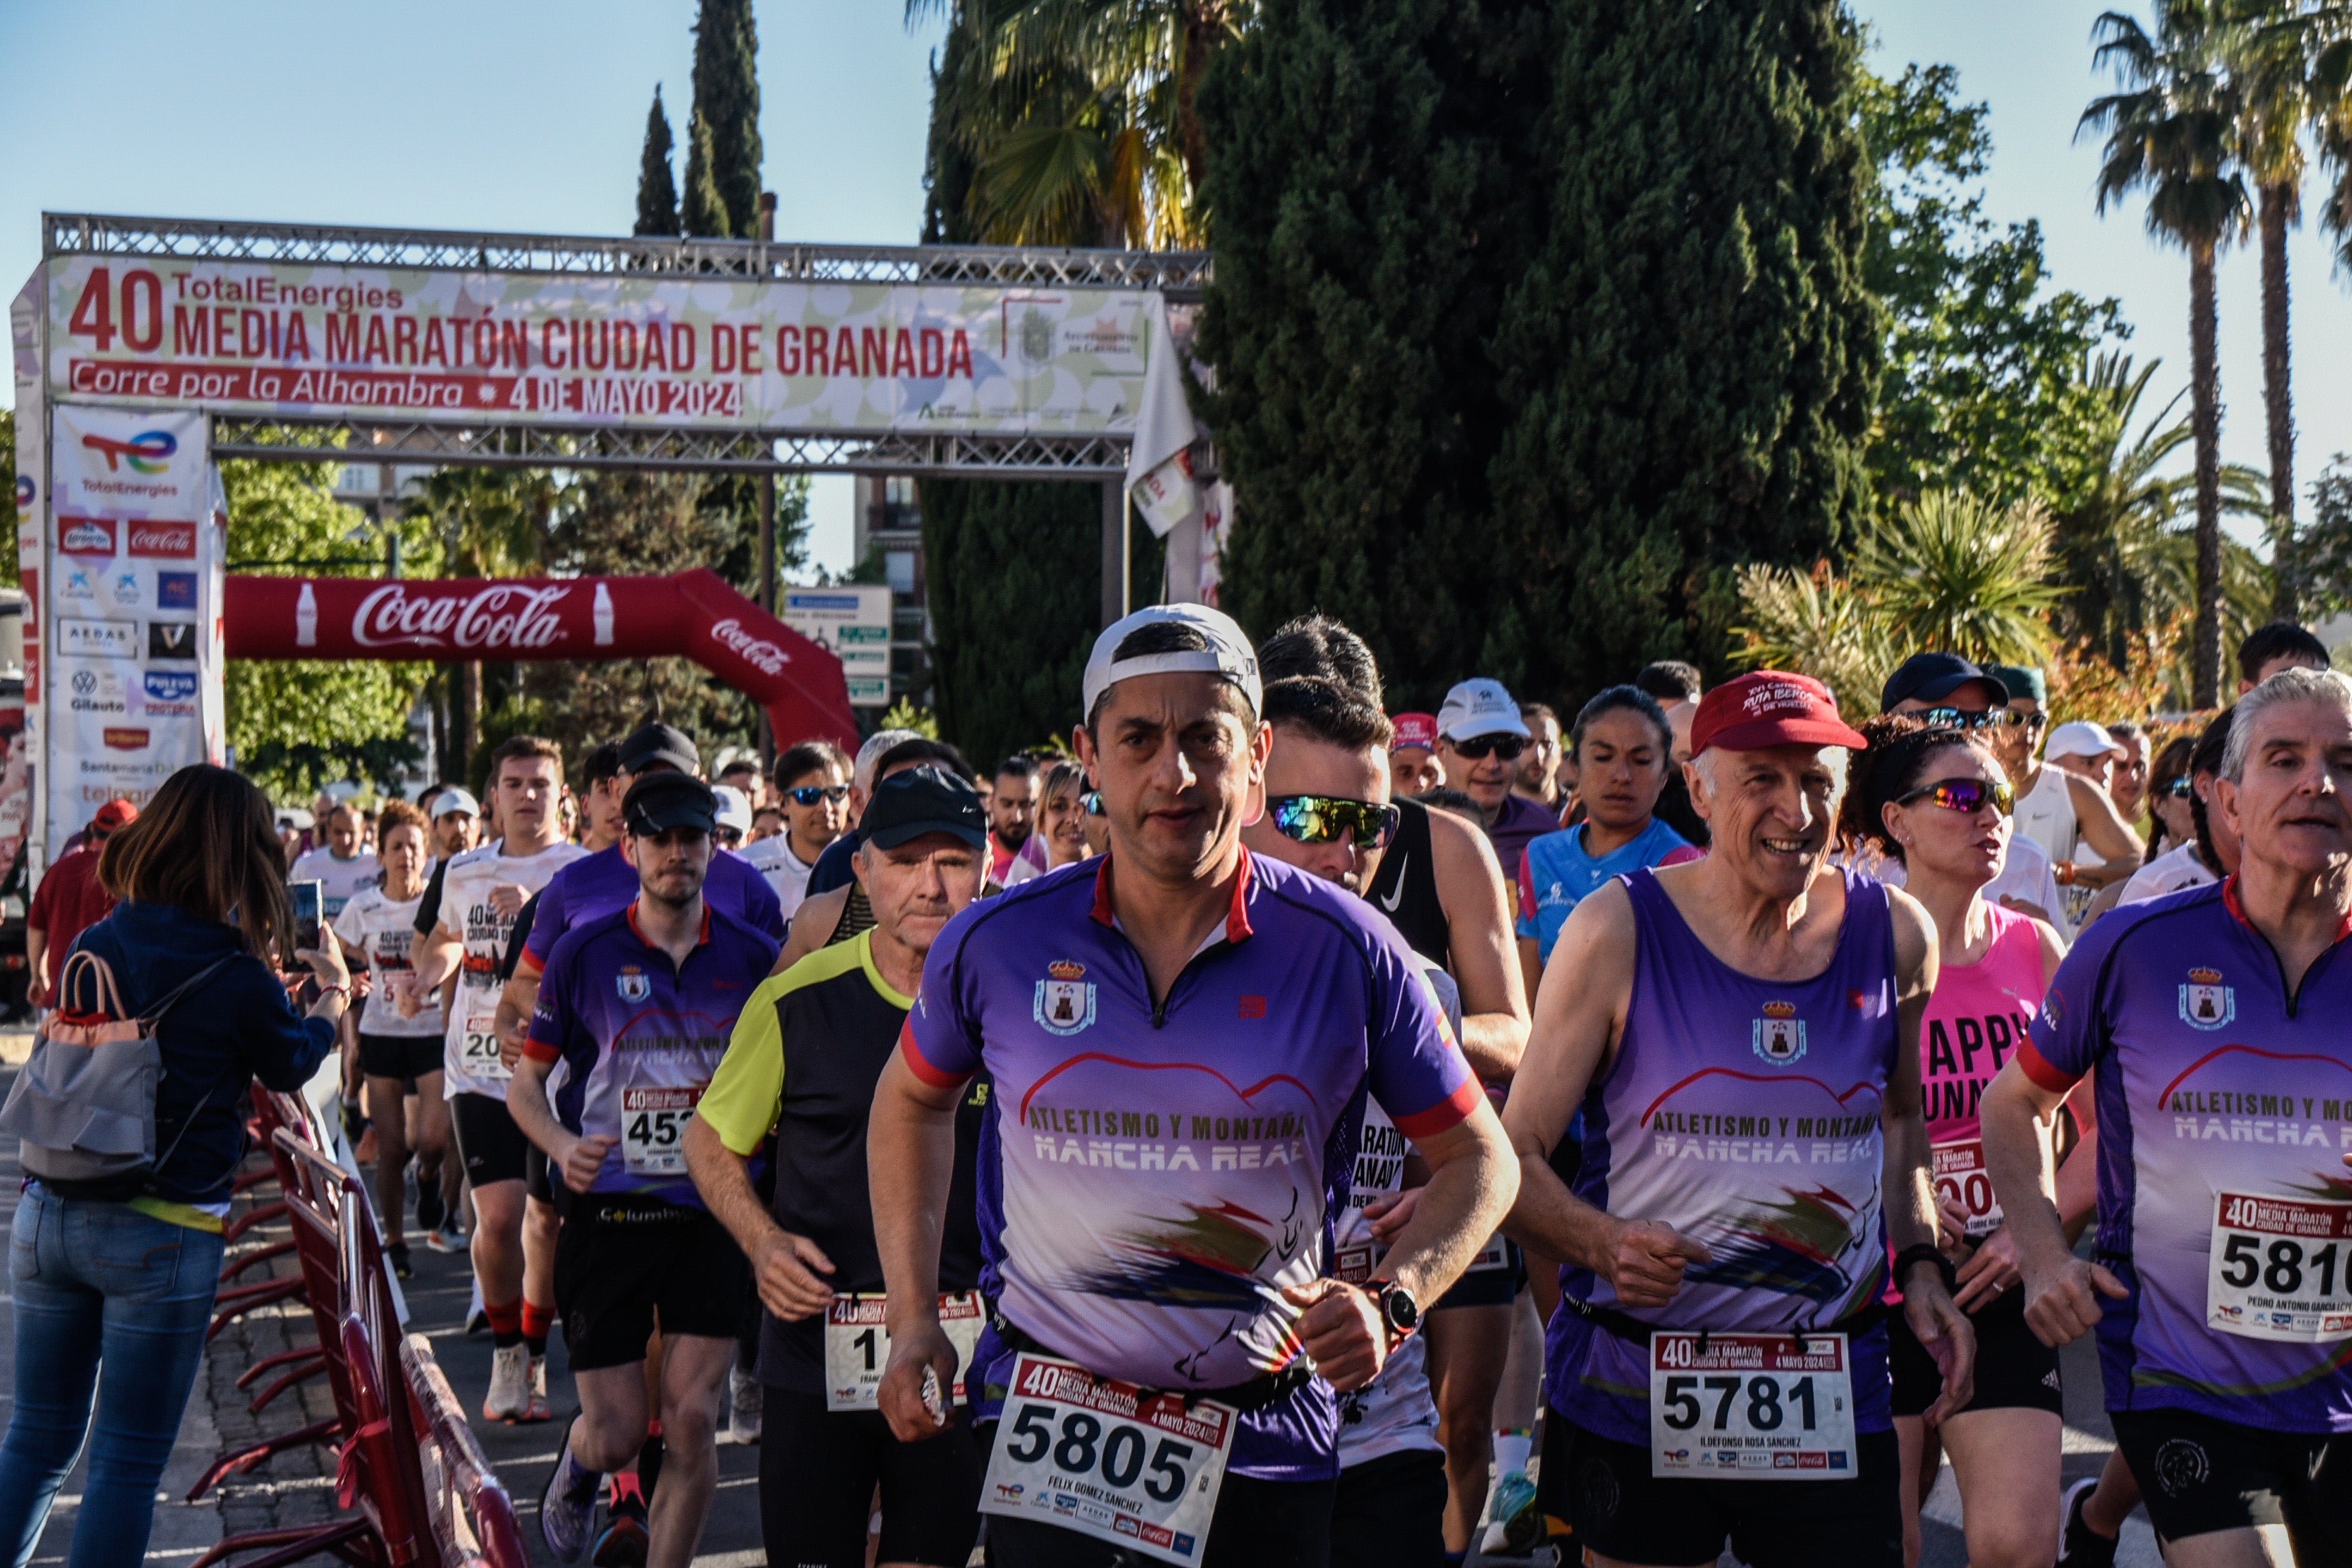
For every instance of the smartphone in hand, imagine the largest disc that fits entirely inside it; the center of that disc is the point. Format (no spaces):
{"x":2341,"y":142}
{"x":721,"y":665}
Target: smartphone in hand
{"x":309,"y":902}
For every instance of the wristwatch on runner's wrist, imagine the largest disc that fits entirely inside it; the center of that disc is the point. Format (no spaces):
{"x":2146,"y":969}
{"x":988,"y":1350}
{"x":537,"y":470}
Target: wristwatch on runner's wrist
{"x":1400,"y":1313}
{"x":1926,"y":1252}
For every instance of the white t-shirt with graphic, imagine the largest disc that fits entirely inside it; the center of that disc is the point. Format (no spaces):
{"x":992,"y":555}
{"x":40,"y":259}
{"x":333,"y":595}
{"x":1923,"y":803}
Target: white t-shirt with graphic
{"x":470,"y":1062}
{"x":381,"y":930}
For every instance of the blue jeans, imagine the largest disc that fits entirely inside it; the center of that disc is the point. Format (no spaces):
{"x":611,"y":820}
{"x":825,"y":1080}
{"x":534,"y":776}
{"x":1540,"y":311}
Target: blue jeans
{"x":99,"y":1283}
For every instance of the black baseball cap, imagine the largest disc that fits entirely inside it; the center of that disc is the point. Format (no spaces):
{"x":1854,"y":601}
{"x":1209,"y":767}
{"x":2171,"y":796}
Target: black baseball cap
{"x":656,"y":745}
{"x":926,"y":799}
{"x":665,"y":799}
{"x":1931,"y":677}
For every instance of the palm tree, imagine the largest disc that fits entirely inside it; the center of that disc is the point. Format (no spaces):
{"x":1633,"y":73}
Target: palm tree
{"x":2172,"y":132}
{"x":2119,"y":549}
{"x":1816,"y":623}
{"x":2269,"y":56}
{"x":1078,"y":114}
{"x":1954,"y":570}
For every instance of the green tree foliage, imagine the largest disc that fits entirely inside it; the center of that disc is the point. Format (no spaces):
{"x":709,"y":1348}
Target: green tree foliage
{"x":1983,"y":388}
{"x":2320,"y":555}
{"x":1690,"y":361}
{"x":657,"y":191}
{"x":726,"y":99}
{"x":704,"y":213}
{"x":1955,"y":571}
{"x":1373,"y":204}
{"x":1015,"y":593}
{"x":1817,"y":623}
{"x":294,"y":724}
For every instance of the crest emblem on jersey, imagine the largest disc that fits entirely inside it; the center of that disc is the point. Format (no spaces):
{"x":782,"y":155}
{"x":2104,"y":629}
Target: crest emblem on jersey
{"x":1066,"y":1003}
{"x":1780,"y":1033}
{"x":2206,"y":1002}
{"x":634,"y":984}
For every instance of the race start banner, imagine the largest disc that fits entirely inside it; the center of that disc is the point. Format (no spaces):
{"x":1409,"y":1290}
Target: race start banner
{"x":131,"y":595}
{"x":488,"y":346}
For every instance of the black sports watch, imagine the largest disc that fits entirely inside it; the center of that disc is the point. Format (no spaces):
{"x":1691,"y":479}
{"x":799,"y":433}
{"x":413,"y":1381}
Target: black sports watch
{"x":1400,"y":1313}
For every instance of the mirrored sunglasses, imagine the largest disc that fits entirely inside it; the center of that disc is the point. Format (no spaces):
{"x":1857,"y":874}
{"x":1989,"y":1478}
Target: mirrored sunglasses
{"x":1954,"y":719}
{"x":2182,"y":788}
{"x":1325,"y":819}
{"x":1965,"y":795}
{"x":1094,"y":803}
{"x":809,"y":795}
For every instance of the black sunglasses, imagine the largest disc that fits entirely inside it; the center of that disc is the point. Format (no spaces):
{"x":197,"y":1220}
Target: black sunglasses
{"x":1967,"y":797}
{"x":1507,"y":747}
{"x":1325,"y":819}
{"x":809,"y":795}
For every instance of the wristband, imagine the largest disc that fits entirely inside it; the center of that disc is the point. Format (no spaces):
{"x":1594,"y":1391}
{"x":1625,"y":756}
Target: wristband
{"x":1926,"y":1252}
{"x":2063,"y":873}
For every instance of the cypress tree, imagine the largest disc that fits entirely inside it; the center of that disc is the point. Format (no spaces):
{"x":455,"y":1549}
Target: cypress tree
{"x":657,"y":192}
{"x":704,"y":211}
{"x":1690,"y":358}
{"x":1367,"y":202}
{"x":727,"y":97}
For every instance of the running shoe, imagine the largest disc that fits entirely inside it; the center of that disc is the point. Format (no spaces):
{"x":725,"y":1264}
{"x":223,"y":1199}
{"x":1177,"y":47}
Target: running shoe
{"x":2081,"y":1546}
{"x":628,"y":1531}
{"x":430,"y":1212}
{"x":1516,"y":1526}
{"x":536,"y":1383}
{"x":448,"y":1238}
{"x":397,"y":1256}
{"x":744,"y":1402}
{"x":509,"y":1396}
{"x":567,"y":1509}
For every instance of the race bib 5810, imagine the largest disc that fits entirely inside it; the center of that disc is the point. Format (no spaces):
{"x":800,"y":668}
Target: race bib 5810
{"x":2279,"y":1267}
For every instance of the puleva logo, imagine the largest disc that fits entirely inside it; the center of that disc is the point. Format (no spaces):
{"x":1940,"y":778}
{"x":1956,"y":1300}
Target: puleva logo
{"x":147,"y":452}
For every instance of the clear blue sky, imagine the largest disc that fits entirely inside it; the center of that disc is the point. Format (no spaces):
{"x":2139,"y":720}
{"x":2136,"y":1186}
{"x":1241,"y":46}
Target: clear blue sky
{"x":519,"y":114}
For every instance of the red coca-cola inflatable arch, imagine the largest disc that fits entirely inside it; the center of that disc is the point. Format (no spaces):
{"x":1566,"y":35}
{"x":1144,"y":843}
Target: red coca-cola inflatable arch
{"x":693,"y":615}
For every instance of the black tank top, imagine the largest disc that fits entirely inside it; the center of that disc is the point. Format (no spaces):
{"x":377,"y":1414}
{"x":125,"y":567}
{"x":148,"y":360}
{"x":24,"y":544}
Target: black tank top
{"x":1405,"y":887}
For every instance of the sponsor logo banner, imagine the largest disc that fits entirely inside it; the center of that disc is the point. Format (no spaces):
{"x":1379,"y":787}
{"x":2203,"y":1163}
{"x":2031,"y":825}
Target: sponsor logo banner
{"x":129,"y":463}
{"x":80,"y":637}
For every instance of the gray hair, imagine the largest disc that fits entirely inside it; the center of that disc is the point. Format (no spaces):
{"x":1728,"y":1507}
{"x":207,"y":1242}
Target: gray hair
{"x":2327,"y":688}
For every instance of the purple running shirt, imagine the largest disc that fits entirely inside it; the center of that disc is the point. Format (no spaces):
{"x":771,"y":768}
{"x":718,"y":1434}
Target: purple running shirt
{"x":2212,"y":1081}
{"x":1153,"y":1175}
{"x":1743,"y":1113}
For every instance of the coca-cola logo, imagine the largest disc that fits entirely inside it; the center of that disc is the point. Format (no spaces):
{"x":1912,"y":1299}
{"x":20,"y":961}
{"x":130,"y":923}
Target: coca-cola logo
{"x":175,"y":540}
{"x":498,"y":615}
{"x":758,"y":652}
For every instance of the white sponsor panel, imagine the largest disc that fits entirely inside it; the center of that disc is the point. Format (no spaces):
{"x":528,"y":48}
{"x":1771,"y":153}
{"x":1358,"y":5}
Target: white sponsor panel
{"x":851,"y":621}
{"x":22,"y":784}
{"x":1751,"y":1408}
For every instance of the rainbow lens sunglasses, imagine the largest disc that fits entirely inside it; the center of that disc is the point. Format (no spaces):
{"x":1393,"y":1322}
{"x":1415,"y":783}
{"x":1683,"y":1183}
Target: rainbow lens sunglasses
{"x":1325,"y":819}
{"x":1967,"y":797}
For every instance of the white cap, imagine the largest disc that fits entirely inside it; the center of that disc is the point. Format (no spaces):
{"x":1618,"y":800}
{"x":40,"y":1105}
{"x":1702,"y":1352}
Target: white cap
{"x":1228,"y":653}
{"x":734,"y":807}
{"x":869,"y":756}
{"x":2079,"y":738}
{"x":1476,"y":708}
{"x":453,"y":799}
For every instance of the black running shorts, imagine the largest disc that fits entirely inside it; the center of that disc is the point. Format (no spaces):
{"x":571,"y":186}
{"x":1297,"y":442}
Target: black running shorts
{"x":2015,"y":1371}
{"x":492,"y":1146}
{"x":2199,"y":1474}
{"x":617,"y":1266}
{"x":1391,"y":1511}
{"x":408,"y":1057}
{"x":1605,"y":1490}
{"x":818,"y":1469}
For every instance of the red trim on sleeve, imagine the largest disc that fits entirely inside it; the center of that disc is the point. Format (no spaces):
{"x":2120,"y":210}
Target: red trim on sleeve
{"x":1102,"y":912}
{"x":919,"y":1066}
{"x":2037,"y":1067}
{"x":539,"y":1050}
{"x":1237,"y":924}
{"x":1453,"y":1109}
{"x":1527,"y":883}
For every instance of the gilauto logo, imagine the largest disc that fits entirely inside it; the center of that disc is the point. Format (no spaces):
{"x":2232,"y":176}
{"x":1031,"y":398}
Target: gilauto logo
{"x":147,"y":453}
{"x":504,"y":614}
{"x":758,"y":652}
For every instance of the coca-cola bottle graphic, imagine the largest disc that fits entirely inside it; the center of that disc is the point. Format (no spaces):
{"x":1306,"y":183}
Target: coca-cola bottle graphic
{"x":306,"y":618}
{"x":603,"y":615}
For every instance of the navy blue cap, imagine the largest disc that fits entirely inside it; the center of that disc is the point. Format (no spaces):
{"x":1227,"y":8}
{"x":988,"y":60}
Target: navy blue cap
{"x":1931,"y":677}
{"x":666,"y":798}
{"x":920,"y":800}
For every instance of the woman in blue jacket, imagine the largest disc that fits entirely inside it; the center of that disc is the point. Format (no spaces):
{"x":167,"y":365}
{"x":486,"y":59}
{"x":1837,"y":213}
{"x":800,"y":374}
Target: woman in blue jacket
{"x":125,"y":1279}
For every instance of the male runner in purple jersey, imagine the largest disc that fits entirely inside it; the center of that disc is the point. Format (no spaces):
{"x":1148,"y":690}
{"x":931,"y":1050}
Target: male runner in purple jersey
{"x":2216,"y":1019}
{"x":1745,"y":1048}
{"x":1182,"y":1038}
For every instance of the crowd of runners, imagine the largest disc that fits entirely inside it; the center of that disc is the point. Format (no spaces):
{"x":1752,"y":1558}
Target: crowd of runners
{"x":1285,"y":1131}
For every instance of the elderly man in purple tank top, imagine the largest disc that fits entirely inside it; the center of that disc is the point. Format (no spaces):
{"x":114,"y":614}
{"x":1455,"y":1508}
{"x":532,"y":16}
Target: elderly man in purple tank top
{"x":2214,"y":1020}
{"x":1745,"y":1051}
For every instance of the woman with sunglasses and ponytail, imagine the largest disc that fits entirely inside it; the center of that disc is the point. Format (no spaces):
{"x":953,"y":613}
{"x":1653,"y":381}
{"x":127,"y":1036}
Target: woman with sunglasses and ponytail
{"x":1935,"y":801}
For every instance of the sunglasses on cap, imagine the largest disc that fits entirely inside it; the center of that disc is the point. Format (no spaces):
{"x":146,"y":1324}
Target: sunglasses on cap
{"x":1094,"y":803}
{"x":1325,"y":819}
{"x":809,"y":795}
{"x":1507,"y":747}
{"x":1967,"y":797}
{"x":1954,"y":719}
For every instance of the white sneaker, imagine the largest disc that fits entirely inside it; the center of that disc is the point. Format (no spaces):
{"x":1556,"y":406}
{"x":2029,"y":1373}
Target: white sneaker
{"x":536,"y":1409}
{"x":745,"y":1402}
{"x":509,"y":1396}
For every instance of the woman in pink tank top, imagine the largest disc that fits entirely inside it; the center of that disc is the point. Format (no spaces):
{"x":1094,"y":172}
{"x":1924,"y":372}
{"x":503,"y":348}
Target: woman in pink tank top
{"x":1938,"y":802}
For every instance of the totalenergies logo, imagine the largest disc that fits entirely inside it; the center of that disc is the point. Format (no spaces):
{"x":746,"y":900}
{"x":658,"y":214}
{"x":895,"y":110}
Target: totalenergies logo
{"x":147,"y":452}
